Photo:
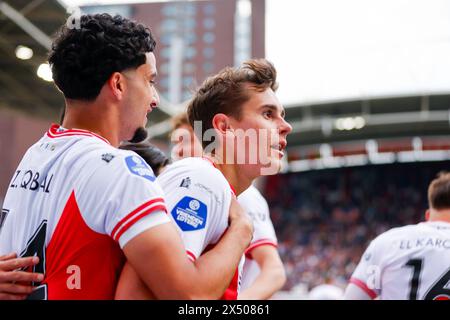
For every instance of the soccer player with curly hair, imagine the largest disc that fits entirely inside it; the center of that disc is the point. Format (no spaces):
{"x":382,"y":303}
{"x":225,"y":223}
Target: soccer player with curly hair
{"x":82,"y":205}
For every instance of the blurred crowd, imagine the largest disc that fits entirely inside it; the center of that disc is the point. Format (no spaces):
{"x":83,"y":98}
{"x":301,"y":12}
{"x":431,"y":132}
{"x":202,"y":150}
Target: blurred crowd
{"x":325,"y":219}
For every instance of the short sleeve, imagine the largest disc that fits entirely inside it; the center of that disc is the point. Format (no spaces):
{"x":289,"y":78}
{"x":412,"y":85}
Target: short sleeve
{"x":119,"y":195}
{"x":198,"y":207}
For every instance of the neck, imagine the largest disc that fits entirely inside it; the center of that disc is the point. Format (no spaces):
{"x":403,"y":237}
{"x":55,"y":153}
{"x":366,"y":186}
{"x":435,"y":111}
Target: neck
{"x":96,"y":117}
{"x":439,"y":215}
{"x":233,"y":174}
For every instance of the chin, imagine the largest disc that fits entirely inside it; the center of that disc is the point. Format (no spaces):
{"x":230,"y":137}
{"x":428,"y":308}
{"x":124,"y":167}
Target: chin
{"x":274,"y":167}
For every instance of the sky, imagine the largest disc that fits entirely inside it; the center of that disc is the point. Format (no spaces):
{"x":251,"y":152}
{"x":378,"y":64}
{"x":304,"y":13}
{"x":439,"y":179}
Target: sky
{"x":332,"y":50}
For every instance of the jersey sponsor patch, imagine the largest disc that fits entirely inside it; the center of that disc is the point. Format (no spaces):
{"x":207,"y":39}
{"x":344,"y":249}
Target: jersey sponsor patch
{"x":190,"y":214}
{"x":139,"y":167}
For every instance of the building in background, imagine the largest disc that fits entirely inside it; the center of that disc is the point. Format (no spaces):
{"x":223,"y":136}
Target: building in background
{"x":196,"y":39}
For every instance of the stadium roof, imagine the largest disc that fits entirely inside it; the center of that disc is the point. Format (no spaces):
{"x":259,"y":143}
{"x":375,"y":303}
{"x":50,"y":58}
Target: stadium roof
{"x":416,"y":113}
{"x":30,"y":24}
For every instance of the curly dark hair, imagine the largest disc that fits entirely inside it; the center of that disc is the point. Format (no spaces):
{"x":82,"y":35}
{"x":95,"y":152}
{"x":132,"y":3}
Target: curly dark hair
{"x":82,"y":59}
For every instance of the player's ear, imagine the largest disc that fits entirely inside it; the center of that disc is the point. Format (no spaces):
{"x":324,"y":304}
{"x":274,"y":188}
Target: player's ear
{"x":427,"y":215}
{"x":221,"y":123}
{"x":116,"y":84}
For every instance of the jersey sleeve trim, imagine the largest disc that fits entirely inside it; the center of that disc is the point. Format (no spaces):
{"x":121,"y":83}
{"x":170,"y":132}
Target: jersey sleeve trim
{"x":191,"y":256}
{"x":256,"y":244}
{"x":138,"y":213}
{"x":372,"y":294}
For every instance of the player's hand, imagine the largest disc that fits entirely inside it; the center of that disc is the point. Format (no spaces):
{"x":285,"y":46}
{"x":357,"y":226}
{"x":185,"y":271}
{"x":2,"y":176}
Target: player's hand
{"x":10,"y":277}
{"x":238,"y":218}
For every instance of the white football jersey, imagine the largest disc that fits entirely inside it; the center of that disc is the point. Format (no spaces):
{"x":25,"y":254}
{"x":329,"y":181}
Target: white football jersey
{"x":264,"y":234}
{"x":410,"y":262}
{"x":198,"y":199}
{"x":74,"y":200}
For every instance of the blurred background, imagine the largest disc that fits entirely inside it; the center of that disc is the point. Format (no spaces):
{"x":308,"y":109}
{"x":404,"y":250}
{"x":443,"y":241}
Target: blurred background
{"x":365,"y":84}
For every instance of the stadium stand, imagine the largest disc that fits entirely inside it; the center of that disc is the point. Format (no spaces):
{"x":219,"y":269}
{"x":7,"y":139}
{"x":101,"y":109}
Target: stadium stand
{"x":325,"y":219}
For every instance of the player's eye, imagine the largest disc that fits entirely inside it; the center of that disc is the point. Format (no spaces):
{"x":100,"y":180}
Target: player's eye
{"x":267,"y":114}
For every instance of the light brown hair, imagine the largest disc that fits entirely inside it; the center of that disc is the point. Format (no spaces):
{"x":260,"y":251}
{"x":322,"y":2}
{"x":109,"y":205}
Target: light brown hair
{"x":439,"y":192}
{"x":179,"y":120}
{"x":228,"y":90}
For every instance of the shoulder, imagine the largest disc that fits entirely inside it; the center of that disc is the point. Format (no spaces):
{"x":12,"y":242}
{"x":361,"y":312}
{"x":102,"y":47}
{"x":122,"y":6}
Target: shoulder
{"x":392,"y":236}
{"x":255,"y":205}
{"x":197,"y":170}
{"x":252,"y":194}
{"x":399,"y":232}
{"x":107,"y":163}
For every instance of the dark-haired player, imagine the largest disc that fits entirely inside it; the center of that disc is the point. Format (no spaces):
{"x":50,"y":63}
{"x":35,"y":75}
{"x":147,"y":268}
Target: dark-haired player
{"x":410,"y":262}
{"x":82,"y":205}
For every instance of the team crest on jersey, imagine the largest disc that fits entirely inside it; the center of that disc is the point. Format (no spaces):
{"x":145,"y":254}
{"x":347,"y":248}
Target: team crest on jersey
{"x":139,"y":167}
{"x":190,"y":214}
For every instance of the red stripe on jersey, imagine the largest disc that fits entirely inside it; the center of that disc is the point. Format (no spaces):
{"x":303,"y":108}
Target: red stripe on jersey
{"x":137,"y":210}
{"x":54,"y":133}
{"x":256,"y":244}
{"x":80,"y":263}
{"x":372,"y":294}
{"x":232,"y":291}
{"x":133,"y":217}
{"x":191,"y":256}
{"x":160,"y":207}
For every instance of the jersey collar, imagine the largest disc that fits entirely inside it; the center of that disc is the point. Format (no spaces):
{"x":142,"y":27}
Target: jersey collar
{"x":57,"y":131}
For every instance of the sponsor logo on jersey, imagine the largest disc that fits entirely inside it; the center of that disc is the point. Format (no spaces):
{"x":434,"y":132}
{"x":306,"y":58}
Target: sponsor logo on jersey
{"x":185,"y":183}
{"x":190,"y":214}
{"x":48,"y":146}
{"x":205,"y":188}
{"x":107,"y":157}
{"x":139,"y":167}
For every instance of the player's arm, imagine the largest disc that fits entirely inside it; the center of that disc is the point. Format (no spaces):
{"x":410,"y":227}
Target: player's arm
{"x":271,"y":278}
{"x":159,"y":259}
{"x":10,"y":276}
{"x":365,"y":282}
{"x":355,"y":292}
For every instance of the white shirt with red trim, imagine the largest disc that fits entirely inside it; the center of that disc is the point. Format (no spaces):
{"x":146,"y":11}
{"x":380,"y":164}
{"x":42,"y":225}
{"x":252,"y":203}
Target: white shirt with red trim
{"x":410,"y":262}
{"x":264,"y":233}
{"x":198,"y":199}
{"x":74,"y":200}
